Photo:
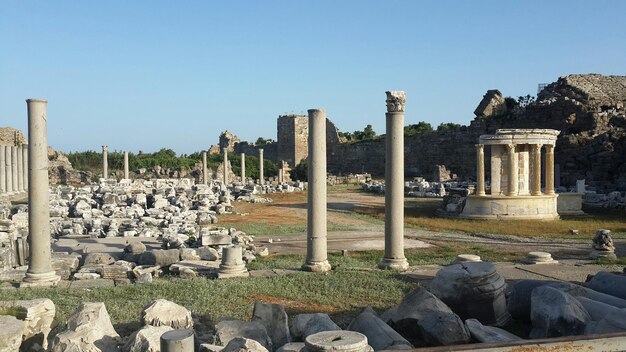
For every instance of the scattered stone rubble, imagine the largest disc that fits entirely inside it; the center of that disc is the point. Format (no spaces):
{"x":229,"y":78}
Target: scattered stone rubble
{"x":425,"y":317}
{"x":419,"y":187}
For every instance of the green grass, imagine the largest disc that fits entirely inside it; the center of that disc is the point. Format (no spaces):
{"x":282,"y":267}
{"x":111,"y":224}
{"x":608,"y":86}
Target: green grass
{"x":265,"y":229}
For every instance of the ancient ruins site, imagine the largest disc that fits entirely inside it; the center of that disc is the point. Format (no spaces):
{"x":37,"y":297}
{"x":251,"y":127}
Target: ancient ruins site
{"x":503,"y":232}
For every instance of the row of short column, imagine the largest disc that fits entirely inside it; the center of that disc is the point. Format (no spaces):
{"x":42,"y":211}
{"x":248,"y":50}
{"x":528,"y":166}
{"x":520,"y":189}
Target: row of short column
{"x":205,"y":169}
{"x":513,"y":170}
{"x":105,"y":163}
{"x":13,"y":169}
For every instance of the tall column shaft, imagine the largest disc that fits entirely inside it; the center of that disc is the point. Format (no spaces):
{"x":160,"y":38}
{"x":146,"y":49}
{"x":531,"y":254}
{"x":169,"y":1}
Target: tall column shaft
{"x":316,"y":249}
{"x":225,"y":151}
{"x":25,"y":165}
{"x":105,"y":162}
{"x":205,"y":170}
{"x":535,"y":184}
{"x":243,"y":168}
{"x":3,"y":171}
{"x":261,"y":176}
{"x":126,"y":173}
{"x":513,"y":171}
{"x":20,"y":169}
{"x":549,"y":169}
{"x":39,"y":267}
{"x":14,"y":175}
{"x":480,"y":170}
{"x":394,"y":184}
{"x":8,"y":169}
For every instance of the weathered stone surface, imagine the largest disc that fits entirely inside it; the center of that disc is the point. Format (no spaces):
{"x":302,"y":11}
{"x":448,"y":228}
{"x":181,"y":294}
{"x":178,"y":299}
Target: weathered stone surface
{"x":339,"y":340}
{"x":89,"y":329}
{"x":242,"y":344}
{"x":147,"y":339}
{"x":160,"y":257}
{"x":612,"y":322}
{"x":414,"y":307}
{"x":303,"y":325}
{"x":609,"y":283}
{"x":99,"y":259}
{"x":163,"y":312}
{"x":443,"y":328}
{"x":227,"y":330}
{"x":292,"y":347}
{"x":135,"y":247}
{"x":38,"y":315}
{"x":10,"y":333}
{"x":379,"y":335}
{"x":274,"y":318}
{"x":555,"y":313}
{"x":483,"y":333}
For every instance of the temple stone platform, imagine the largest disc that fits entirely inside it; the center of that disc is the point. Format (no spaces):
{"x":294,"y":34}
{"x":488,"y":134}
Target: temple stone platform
{"x":494,"y":207}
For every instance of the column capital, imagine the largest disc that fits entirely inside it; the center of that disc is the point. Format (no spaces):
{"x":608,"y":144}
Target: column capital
{"x":549,"y":148}
{"x":510,"y":148}
{"x":104,"y":148}
{"x":536,"y":147}
{"x":396,"y":100}
{"x":479,"y":146}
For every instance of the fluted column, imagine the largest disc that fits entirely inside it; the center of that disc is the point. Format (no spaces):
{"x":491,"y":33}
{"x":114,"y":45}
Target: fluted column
{"x":8,"y":170}
{"x":105,"y":162}
{"x":549,"y":189}
{"x":126,"y":173}
{"x":205,"y":170}
{"x":261,"y":176}
{"x":25,"y":165}
{"x":535,"y":185}
{"x":3,"y":171}
{"x":480,"y":170}
{"x":394,"y":183}
{"x":14,"y":174}
{"x":243,"y":168}
{"x":225,"y":151}
{"x":513,"y":171}
{"x":40,"y":272}
{"x":20,"y":169}
{"x":316,"y":249}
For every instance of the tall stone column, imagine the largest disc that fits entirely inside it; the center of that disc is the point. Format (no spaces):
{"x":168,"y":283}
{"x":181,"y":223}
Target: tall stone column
{"x":8,"y":169}
{"x":105,"y":162}
{"x":480,"y":170}
{"x":549,"y":189}
{"x":513,"y":171}
{"x":39,"y":271}
{"x":3,"y":171}
{"x":14,"y":175}
{"x":126,"y":173}
{"x":261,"y":176}
{"x":243,"y":168}
{"x":20,"y":169}
{"x":205,"y":170}
{"x":394,"y":183}
{"x":535,"y":185}
{"x":225,"y":151}
{"x":25,"y":165}
{"x":316,"y":249}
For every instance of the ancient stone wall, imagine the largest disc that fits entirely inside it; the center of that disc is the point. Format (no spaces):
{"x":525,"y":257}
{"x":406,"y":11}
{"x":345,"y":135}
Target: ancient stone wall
{"x":11,"y":136}
{"x":293,"y":132}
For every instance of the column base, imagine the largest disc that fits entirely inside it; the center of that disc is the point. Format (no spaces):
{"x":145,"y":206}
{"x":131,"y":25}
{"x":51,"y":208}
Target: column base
{"x":40,"y":280}
{"x":316,"y":267}
{"x":394,"y":264}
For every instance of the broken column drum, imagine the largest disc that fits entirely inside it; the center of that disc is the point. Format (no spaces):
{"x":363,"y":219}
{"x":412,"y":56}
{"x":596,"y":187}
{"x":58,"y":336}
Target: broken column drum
{"x":394,"y":183}
{"x":181,"y":340}
{"x":338,"y":340}
{"x":261,"y":176}
{"x":316,"y":249}
{"x":40,"y":272}
{"x":105,"y":161}
{"x":473,"y":290}
{"x":516,"y":170}
{"x":232,"y":264}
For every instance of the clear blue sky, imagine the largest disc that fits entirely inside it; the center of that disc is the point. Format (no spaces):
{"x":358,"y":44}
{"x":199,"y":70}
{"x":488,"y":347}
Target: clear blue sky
{"x":141,"y":75}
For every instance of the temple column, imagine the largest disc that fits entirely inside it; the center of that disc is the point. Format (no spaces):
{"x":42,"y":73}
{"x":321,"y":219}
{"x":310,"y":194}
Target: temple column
{"x":225,"y":151}
{"x":394,"y":183}
{"x":40,"y":272}
{"x":3,"y":170}
{"x":205,"y":171}
{"x":261,"y":177}
{"x":8,"y":169}
{"x":535,"y":185}
{"x":513,"y":171}
{"x":126,"y":173}
{"x":14,"y":174}
{"x":25,"y":165}
{"x":105,"y":162}
{"x":549,"y":189}
{"x":480,"y":170}
{"x":20,"y":169}
{"x":316,"y":249}
{"x":243,"y":168}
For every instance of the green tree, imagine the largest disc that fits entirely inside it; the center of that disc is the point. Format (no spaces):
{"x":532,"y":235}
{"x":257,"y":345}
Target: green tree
{"x":417,"y":129}
{"x":448,"y":126}
{"x":300,"y":172}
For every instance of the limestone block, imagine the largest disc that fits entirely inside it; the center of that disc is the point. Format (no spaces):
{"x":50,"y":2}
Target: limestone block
{"x":216,"y":239}
{"x":208,"y":253}
{"x":37,"y":315}
{"x":482,"y":333}
{"x":89,"y":329}
{"x":293,"y":347}
{"x":98,"y":259}
{"x":147,"y":339}
{"x":274,"y":318}
{"x":227,"y":330}
{"x":242,"y":344}
{"x":379,"y":335}
{"x":11,"y":333}
{"x":160,"y":257}
{"x":414,"y":307}
{"x":609,"y":283}
{"x":303,"y":325}
{"x":163,"y":312}
{"x":555,"y":313}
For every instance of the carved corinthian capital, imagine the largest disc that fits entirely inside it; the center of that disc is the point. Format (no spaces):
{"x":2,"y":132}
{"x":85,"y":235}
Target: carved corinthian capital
{"x":396,"y":99}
